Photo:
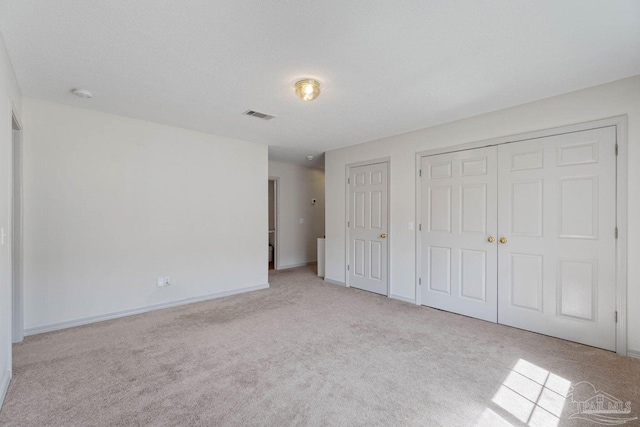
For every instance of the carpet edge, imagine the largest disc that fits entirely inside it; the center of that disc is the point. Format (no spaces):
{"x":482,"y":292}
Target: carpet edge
{"x":130,"y":312}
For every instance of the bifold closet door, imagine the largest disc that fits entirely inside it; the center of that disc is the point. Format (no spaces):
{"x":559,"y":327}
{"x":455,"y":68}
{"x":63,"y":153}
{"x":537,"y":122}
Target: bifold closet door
{"x":459,"y":218}
{"x":556,"y":267}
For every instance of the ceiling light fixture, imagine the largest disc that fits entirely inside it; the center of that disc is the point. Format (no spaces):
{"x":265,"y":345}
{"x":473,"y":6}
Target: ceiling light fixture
{"x":309,"y":158}
{"x":307,"y":89}
{"x":82,"y":93}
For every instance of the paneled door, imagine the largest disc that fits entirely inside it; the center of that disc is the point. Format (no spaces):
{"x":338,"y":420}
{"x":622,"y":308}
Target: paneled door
{"x":557,"y":251}
{"x":459,"y":225}
{"x":368,"y":228}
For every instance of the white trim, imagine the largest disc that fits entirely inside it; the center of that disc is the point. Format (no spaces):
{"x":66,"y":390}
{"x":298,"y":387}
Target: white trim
{"x":131,"y":312}
{"x":633,"y":353}
{"x":418,"y":228}
{"x":620,"y":122}
{"x":621,"y":243}
{"x":335,"y":282}
{"x":403,"y":299}
{"x":16,"y":229}
{"x":348,"y":167}
{"x":4,"y":385}
{"x":578,"y":127}
{"x":300,"y":264}
{"x":276,"y":205}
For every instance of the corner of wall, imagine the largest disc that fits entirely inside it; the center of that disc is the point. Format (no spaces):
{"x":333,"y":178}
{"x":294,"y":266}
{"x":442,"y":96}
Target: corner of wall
{"x":10,"y":103}
{"x":5,"y":379}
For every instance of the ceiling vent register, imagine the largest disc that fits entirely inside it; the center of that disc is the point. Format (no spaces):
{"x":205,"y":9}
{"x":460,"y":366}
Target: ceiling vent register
{"x":257,"y":114}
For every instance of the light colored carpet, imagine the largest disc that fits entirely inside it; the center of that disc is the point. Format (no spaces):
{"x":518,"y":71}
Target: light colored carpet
{"x":305,"y":353}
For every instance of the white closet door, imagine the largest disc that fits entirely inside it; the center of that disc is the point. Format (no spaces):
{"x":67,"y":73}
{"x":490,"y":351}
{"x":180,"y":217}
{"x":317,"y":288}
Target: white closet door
{"x":556,"y":211}
{"x":458,"y":215}
{"x":368,"y":198}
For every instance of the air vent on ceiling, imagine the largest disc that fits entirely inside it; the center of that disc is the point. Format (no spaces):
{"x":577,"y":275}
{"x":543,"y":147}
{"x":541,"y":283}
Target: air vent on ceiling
{"x":257,"y":114}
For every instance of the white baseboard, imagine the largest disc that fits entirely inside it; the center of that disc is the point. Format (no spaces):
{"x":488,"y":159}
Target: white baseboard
{"x":114,"y":315}
{"x":403,"y":299}
{"x":334,"y":282}
{"x":302,"y":264}
{"x":633,"y":353}
{"x":4,"y":385}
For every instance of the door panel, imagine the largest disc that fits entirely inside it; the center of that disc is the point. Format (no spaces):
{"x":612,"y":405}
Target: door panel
{"x":459,"y":202}
{"x":368,"y":198}
{"x":557,"y":206}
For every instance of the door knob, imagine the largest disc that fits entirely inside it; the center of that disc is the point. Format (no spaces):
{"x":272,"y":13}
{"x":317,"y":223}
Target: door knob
{"x":491,"y":239}
{"x":383,"y":235}
{"x":503,"y":240}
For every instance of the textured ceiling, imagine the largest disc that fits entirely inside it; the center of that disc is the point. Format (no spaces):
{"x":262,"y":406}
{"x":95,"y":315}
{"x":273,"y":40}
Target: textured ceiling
{"x":386,"y":67}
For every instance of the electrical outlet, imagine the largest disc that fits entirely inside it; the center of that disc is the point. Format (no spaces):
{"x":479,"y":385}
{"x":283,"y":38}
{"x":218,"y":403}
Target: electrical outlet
{"x":167,"y":281}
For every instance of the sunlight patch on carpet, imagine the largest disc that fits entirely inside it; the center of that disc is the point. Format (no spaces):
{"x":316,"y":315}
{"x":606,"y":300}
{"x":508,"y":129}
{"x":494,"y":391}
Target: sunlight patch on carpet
{"x":532,"y":395}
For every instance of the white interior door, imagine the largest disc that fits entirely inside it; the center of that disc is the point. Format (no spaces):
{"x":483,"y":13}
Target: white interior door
{"x":368,"y":198}
{"x":557,"y":210}
{"x":458,"y":218}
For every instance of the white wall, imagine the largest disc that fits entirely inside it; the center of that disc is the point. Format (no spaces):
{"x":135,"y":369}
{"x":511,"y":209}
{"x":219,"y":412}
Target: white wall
{"x":617,"y":98}
{"x":10,"y":99}
{"x":111,"y":203}
{"x":297,"y":244}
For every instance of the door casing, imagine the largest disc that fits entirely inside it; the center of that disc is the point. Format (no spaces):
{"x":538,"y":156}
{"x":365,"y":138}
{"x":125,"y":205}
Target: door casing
{"x":276,"y":205}
{"x":620,"y":123}
{"x":16,"y":232}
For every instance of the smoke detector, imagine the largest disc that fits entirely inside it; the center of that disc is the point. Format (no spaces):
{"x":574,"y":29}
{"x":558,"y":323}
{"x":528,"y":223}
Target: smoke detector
{"x":309,"y":158}
{"x":82,"y":93}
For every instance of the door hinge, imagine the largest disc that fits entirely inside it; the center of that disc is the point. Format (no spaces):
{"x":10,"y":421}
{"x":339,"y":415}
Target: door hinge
{"x":419,"y":280}
{"x":348,"y":224}
{"x":348,"y":267}
{"x":615,"y":316}
{"x":348,"y":180}
{"x":616,"y":232}
{"x":616,"y":149}
{"x":420,"y":227}
{"x":420,"y":172}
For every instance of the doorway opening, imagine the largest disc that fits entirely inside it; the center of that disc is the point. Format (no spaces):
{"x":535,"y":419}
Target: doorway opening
{"x":17,"y":321}
{"x":273,"y":223}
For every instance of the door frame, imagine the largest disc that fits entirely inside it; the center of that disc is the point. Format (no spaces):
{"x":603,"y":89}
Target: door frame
{"x":348,"y":168}
{"x":620,"y":123}
{"x":276,"y":234}
{"x":16,"y":230}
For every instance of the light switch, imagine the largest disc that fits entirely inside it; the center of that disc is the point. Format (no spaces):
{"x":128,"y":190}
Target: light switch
{"x":301,"y":220}
{"x":410,"y":225}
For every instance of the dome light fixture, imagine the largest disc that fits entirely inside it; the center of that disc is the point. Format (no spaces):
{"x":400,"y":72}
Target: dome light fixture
{"x":82,"y":93}
{"x":307,"y":89}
